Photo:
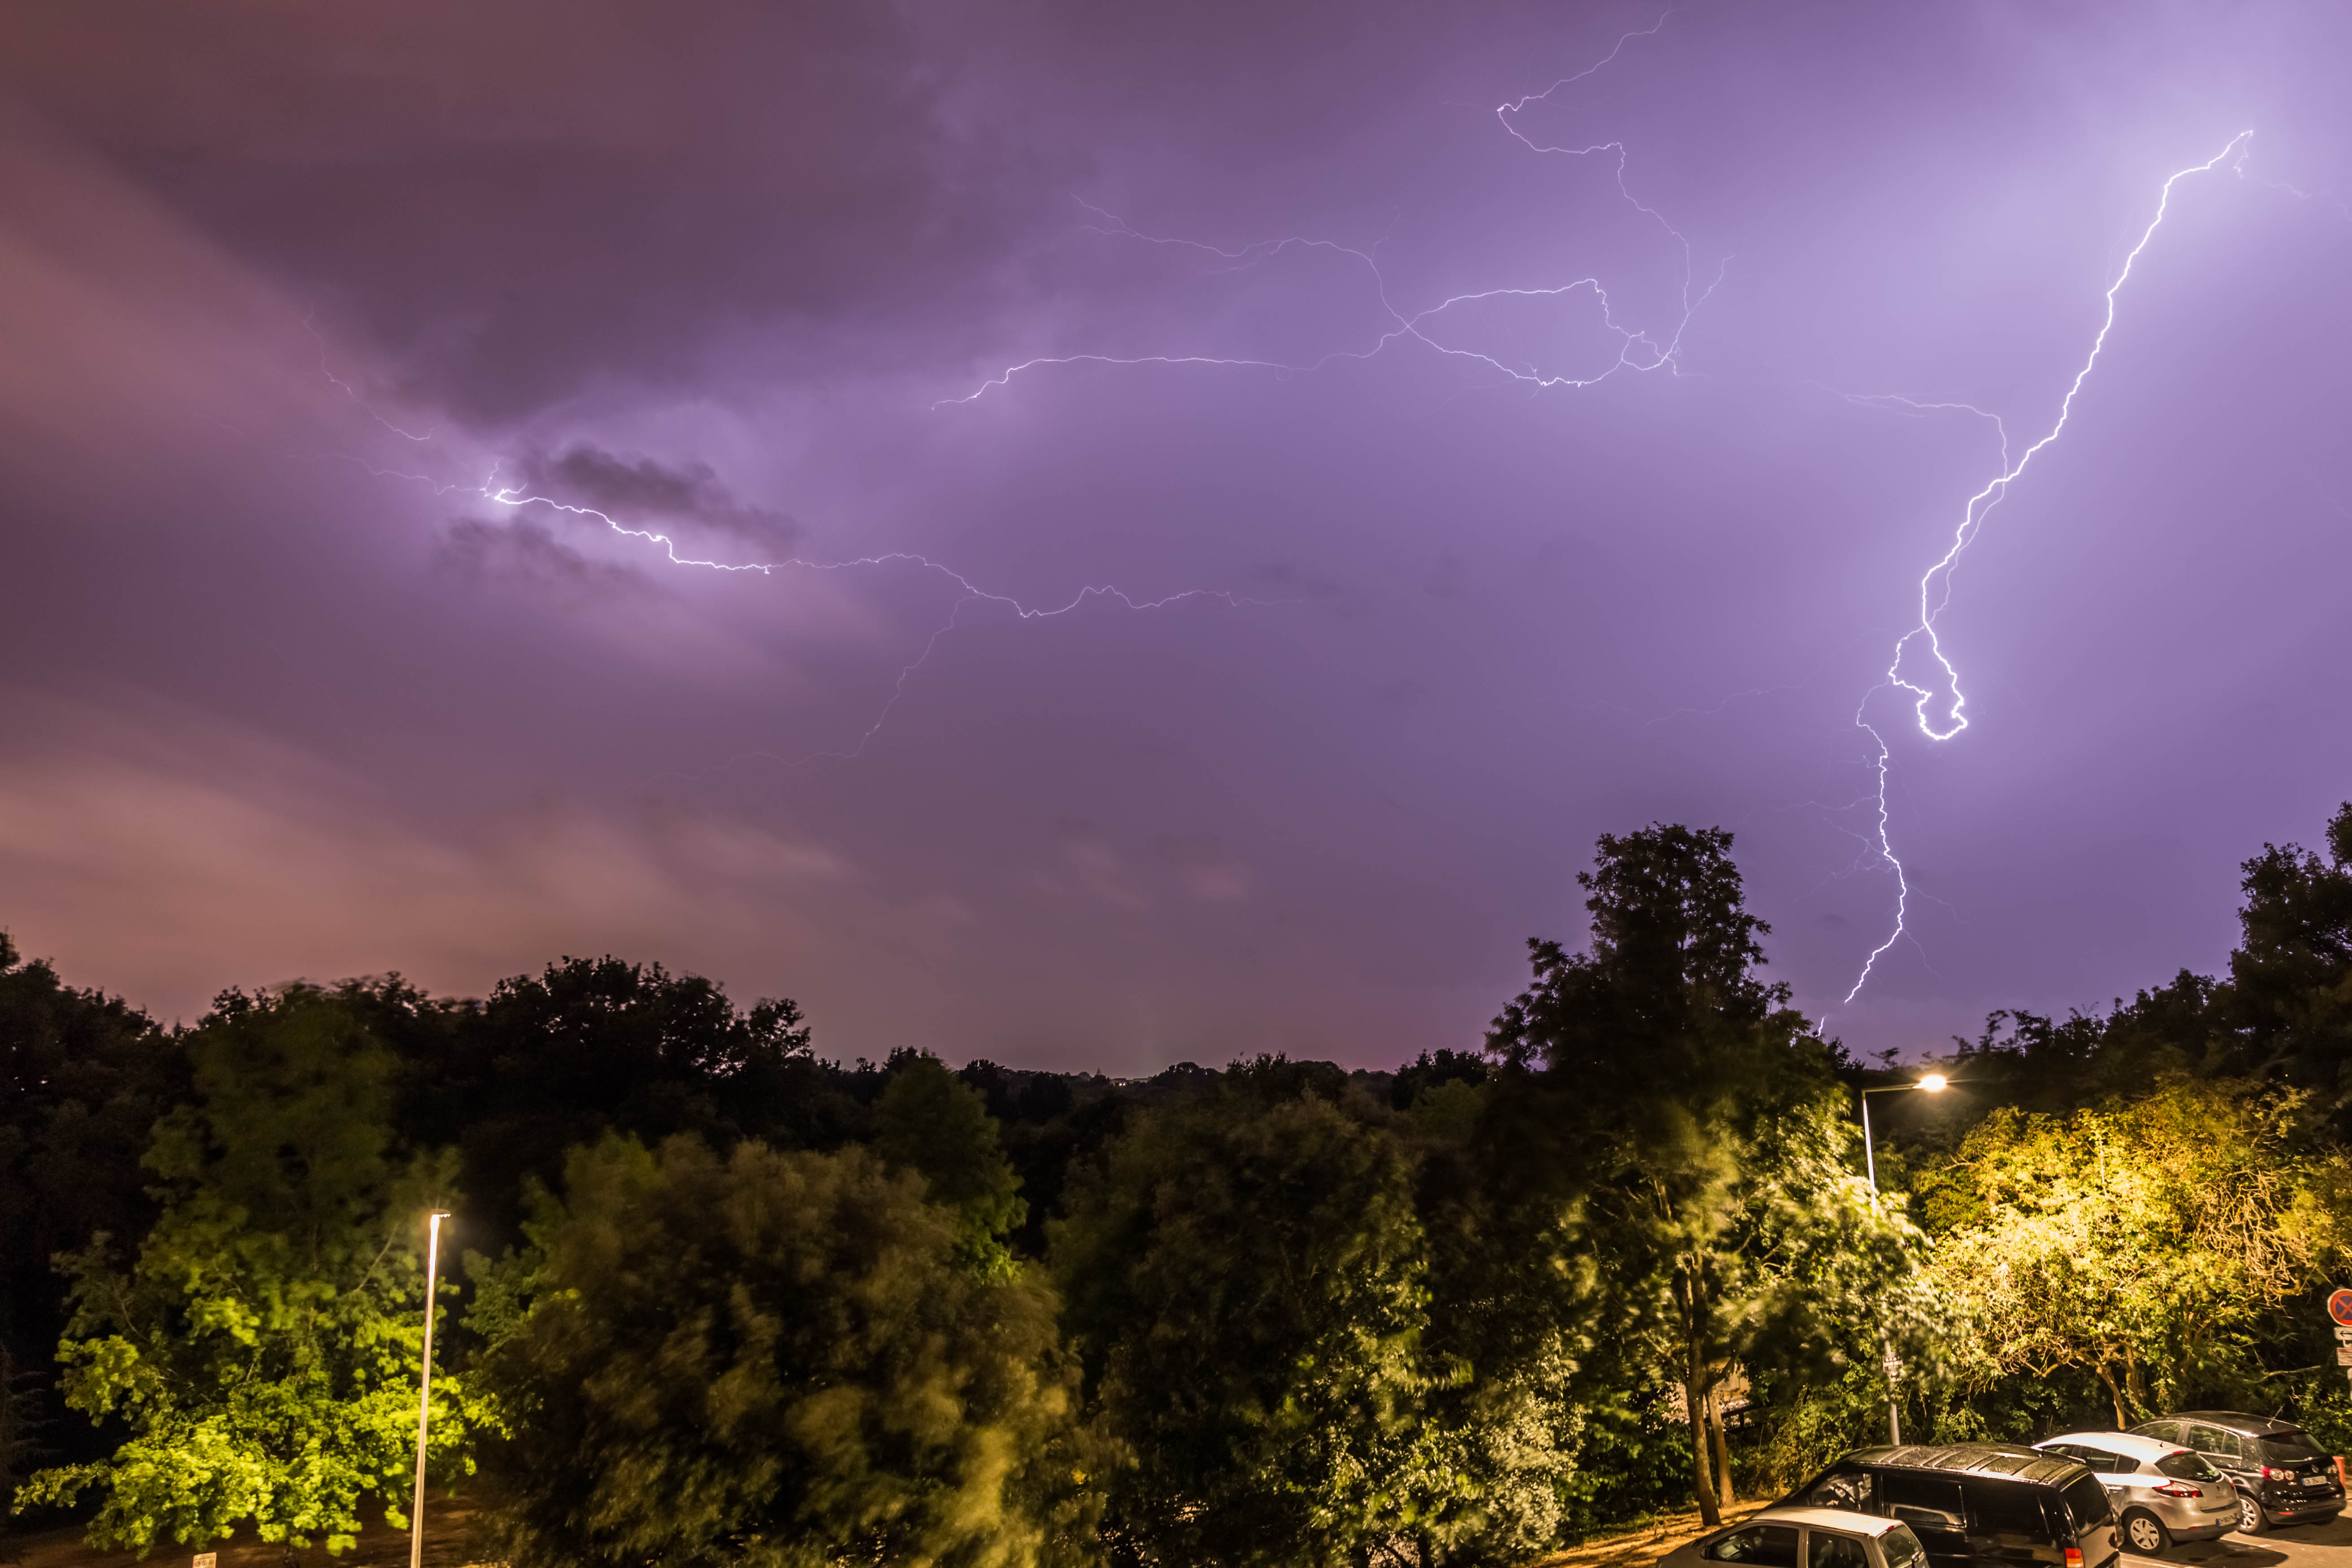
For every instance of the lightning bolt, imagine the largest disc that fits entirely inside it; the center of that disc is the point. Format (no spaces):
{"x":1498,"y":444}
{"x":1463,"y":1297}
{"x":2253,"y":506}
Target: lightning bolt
{"x":968,"y":592}
{"x":1935,"y":583}
{"x":1638,"y":349}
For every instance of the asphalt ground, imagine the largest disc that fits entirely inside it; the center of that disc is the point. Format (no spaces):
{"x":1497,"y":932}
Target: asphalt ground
{"x":2326,"y":1545}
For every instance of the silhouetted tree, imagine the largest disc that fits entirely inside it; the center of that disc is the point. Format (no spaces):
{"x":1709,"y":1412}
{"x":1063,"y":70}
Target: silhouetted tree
{"x":930,"y":1122}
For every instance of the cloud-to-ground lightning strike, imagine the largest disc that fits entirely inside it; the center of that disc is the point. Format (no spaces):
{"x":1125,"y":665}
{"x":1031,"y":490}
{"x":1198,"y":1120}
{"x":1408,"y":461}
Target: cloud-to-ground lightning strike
{"x":1935,"y":583}
{"x":1642,"y":351}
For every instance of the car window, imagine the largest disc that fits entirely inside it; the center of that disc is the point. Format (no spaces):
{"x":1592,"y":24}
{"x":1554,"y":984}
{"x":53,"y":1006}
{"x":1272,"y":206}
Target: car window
{"x":1902,"y":1549}
{"x":2063,"y":1450}
{"x":2185,"y":1465}
{"x":1824,"y":1550}
{"x":2086,"y":1499}
{"x":2289,"y":1449}
{"x":2010,"y":1510}
{"x":2106,"y":1464}
{"x":1766,"y":1545}
{"x":2162,"y":1431}
{"x":2215,"y":1444}
{"x":1846,"y":1488}
{"x":1924,"y":1502}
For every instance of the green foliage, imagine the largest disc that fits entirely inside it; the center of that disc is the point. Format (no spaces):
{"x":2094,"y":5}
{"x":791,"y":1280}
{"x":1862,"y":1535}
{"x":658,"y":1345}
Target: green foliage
{"x":1709,"y":1137}
{"x":2140,"y":1243}
{"x":931,"y":1122}
{"x":82,"y":1078}
{"x":2288,"y":1002}
{"x":777,"y":1359}
{"x":1248,"y":1283}
{"x":263,"y":1346}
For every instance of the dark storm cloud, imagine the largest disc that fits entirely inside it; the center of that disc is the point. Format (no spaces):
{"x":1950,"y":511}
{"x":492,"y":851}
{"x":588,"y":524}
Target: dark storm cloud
{"x":639,"y":492}
{"x":523,"y":198}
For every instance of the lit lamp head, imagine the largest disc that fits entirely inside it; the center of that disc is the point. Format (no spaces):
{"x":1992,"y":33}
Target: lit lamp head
{"x":1933,"y":1083}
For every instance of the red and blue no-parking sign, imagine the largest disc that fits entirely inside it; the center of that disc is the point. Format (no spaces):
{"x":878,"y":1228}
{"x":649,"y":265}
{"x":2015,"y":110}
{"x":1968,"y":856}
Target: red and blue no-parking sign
{"x":2340,"y":1307}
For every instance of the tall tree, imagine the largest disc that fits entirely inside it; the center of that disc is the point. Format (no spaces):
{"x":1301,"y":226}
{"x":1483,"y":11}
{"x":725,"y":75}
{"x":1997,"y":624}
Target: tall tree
{"x":82,"y":1078}
{"x":1248,"y":1281}
{"x":2288,"y":1001}
{"x":775,"y":1358}
{"x":1705,"y":1121}
{"x":264,"y":1344}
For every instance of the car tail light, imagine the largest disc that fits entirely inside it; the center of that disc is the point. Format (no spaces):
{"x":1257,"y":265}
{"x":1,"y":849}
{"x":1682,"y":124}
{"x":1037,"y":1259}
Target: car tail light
{"x":2074,"y":1557}
{"x":2272,"y":1475}
{"x":2174,"y":1488}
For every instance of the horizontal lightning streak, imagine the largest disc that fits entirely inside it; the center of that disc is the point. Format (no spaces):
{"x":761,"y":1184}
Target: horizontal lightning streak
{"x":1638,"y":349}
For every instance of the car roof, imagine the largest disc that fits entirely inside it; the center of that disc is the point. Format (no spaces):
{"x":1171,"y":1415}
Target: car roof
{"x":1824,"y":1519}
{"x":2130,"y":1443}
{"x":2235,"y":1420}
{"x":2020,"y":1464}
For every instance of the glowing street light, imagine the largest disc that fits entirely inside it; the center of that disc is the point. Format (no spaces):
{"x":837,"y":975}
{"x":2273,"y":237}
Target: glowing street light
{"x":425,"y":1392}
{"x":1928,"y":1083}
{"x":1932,"y":1083}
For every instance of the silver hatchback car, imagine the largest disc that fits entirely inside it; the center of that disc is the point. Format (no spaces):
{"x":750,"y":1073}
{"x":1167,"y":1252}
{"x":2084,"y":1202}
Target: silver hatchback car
{"x":2162,"y":1491}
{"x":1786,"y":1537}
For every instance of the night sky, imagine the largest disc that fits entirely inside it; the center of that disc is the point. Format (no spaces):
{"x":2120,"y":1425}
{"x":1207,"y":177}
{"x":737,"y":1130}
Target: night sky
{"x":1522,"y":496}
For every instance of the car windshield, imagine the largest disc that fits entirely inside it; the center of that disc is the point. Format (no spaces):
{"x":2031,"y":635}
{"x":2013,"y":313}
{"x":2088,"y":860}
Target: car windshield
{"x":1902,"y":1549}
{"x":2188,"y":1466}
{"x":2290,"y":1449}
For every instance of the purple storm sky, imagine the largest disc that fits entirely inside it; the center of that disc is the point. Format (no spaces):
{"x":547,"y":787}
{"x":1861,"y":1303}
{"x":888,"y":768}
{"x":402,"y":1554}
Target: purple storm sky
{"x":1526,"y":495}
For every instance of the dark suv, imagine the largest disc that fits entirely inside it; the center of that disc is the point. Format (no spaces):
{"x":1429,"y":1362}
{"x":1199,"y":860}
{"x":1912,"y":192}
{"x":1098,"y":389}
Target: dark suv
{"x":1978,"y":1505}
{"x":2281,"y":1476}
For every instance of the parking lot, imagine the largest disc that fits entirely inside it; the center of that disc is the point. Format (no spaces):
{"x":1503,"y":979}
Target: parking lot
{"x":2326,"y":1545}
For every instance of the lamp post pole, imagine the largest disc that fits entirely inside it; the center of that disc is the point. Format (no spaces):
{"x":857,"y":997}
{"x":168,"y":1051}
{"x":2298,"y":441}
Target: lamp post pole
{"x":1932,"y":1083}
{"x":425,"y":1391}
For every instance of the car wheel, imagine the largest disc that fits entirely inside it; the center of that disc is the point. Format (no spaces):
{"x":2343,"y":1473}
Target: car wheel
{"x":2144,"y":1533}
{"x":2250,"y":1516}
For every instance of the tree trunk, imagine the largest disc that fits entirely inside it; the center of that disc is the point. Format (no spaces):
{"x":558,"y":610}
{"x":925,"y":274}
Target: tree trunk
{"x":1695,"y":1398}
{"x":2115,"y":1395}
{"x":1722,"y":1447}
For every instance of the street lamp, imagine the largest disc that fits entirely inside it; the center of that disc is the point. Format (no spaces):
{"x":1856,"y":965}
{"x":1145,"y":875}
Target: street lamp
{"x":1928,"y":1083}
{"x":425,"y":1391}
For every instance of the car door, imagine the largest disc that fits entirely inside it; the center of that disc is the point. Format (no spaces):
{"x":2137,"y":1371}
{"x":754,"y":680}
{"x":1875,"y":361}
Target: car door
{"x":2226,"y":1451}
{"x":1934,"y":1509}
{"x":1834,"y":1549}
{"x":2114,"y":1470}
{"x":2007,"y":1525}
{"x":1755,"y":1546}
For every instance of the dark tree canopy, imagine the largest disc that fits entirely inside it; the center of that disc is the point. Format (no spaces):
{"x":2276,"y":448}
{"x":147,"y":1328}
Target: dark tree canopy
{"x":778,"y":1358}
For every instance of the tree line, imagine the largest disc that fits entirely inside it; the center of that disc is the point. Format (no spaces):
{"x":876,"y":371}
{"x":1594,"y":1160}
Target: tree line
{"x":720,"y":1300}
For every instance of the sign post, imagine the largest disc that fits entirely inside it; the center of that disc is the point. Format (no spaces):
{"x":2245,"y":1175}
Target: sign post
{"x":2339,"y":1312}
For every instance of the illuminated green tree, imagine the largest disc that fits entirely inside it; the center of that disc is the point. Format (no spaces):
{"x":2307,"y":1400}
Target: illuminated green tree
{"x":2140,"y":1243}
{"x":263,"y":1346}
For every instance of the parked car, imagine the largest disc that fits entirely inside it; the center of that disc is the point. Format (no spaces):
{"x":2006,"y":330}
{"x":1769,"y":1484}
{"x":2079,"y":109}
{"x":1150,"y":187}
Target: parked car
{"x":2281,"y":1476}
{"x":2162,"y":1491}
{"x":1783,"y":1537}
{"x":1978,"y":1505}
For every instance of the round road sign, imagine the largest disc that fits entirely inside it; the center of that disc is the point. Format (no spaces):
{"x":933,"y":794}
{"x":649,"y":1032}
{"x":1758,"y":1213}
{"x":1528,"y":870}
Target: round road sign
{"x":2340,"y":1307}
